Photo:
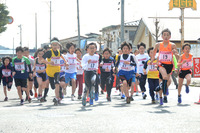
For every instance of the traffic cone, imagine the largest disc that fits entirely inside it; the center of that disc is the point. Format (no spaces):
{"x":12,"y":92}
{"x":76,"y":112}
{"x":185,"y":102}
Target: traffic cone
{"x":134,"y":88}
{"x":198,"y":101}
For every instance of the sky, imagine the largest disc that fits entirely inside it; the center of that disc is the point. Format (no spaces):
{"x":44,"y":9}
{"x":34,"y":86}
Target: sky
{"x":94,"y":15}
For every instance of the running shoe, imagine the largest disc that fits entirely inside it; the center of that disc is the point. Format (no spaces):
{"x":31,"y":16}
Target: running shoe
{"x":36,"y":95}
{"x":6,"y":99}
{"x":153,"y":101}
{"x":161,"y":101}
{"x":108,"y":99}
{"x":31,"y":92}
{"x":26,"y":98}
{"x":43,"y":99}
{"x":144,"y":96}
{"x":91,"y":101}
{"x":55,"y":101}
{"x":131,"y":98}
{"x":179,"y":99}
{"x":87,"y":100}
{"x":79,"y":97}
{"x":123,"y":96}
{"x":165,"y":99}
{"x":29,"y":100}
{"x":96,"y":96}
{"x":22,"y":102}
{"x":84,"y":100}
{"x":187,"y":89}
{"x":128,"y":100}
{"x":72,"y":97}
{"x":137,"y":94}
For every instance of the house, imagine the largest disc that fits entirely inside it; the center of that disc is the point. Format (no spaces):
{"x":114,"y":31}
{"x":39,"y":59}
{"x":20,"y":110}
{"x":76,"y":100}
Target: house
{"x":88,"y":38}
{"x":134,"y":33}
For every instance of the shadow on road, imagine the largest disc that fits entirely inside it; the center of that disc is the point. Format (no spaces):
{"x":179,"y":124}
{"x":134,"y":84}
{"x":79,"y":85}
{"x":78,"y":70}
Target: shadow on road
{"x":183,"y":105}
{"x":122,"y":105}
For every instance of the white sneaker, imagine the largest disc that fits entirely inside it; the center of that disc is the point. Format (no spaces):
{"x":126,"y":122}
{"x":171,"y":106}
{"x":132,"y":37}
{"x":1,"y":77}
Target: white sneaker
{"x":72,"y":97}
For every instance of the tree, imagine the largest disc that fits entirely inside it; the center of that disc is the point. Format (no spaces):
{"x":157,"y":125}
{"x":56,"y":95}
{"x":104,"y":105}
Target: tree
{"x":3,"y":18}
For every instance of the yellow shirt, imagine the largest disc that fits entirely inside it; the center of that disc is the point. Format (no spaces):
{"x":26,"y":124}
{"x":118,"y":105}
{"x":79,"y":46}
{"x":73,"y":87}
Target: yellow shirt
{"x":152,"y":73}
{"x":52,"y":69}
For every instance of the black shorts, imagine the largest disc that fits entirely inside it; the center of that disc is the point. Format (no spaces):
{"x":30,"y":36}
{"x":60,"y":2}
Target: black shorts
{"x":54,"y":80}
{"x":42,"y":75}
{"x":122,"y":78}
{"x":183,"y":73}
{"x":8,"y":82}
{"x":30,"y":79}
{"x":21,"y":83}
{"x":168,"y":68}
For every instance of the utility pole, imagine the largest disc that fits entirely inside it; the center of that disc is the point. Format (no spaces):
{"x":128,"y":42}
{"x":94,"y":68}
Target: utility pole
{"x":78,"y":24}
{"x":122,"y":21}
{"x":36,"y":31}
{"x":20,"y":27}
{"x":182,"y":26}
{"x":157,"y":29}
{"x":50,"y":22}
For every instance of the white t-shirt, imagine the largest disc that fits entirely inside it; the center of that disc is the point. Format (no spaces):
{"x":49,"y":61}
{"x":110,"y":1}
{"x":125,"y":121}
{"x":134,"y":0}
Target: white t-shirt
{"x":62,"y":65}
{"x":31,"y":58}
{"x":72,"y":61}
{"x":93,"y":65}
{"x":142,"y":58}
{"x":123,"y":66}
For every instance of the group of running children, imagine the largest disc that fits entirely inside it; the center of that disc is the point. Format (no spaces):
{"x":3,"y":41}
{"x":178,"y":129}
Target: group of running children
{"x":49,"y":66}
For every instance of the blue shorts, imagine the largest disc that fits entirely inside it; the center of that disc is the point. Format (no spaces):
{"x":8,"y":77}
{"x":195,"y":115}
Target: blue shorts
{"x":133,"y":78}
{"x":69,"y":76}
{"x":62,"y":74}
{"x":7,"y":82}
{"x":127,"y":74}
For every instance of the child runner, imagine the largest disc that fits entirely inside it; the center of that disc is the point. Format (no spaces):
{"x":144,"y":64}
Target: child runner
{"x":152,"y":75}
{"x":90,"y":64}
{"x":126,"y":66}
{"x":62,"y":75}
{"x":30,"y":79}
{"x":20,"y":74}
{"x":185,"y":64}
{"x":53,"y":68}
{"x":79,"y":80}
{"x":107,"y":77}
{"x":165,"y":65}
{"x":40,"y":70}
{"x":71,"y":70}
{"x":6,"y":75}
{"x":142,"y":58}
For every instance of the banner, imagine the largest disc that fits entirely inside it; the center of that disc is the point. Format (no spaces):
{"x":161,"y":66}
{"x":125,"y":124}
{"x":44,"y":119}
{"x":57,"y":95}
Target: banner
{"x":196,"y":64}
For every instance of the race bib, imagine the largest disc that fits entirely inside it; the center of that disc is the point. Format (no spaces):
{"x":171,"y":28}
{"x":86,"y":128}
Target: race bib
{"x":6,"y":72}
{"x":19,"y":66}
{"x":92,"y":65}
{"x":188,"y":64}
{"x":107,"y":66}
{"x":39,"y":67}
{"x":62,"y":68}
{"x":152,"y":67}
{"x":56,"y":61}
{"x":72,"y":60}
{"x":126,"y":67}
{"x":165,"y":56}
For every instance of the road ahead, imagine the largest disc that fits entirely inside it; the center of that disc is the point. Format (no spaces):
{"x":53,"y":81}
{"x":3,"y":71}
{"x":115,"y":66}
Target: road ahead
{"x":103,"y":117}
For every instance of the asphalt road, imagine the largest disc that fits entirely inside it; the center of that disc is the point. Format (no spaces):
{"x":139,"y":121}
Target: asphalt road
{"x":103,"y":117}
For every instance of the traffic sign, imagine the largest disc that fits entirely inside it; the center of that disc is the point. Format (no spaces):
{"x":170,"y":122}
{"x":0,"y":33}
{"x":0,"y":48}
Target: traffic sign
{"x":182,"y":4}
{"x":10,"y":20}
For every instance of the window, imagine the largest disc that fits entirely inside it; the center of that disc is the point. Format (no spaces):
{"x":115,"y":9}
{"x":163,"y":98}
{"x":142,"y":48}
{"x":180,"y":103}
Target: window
{"x":126,"y":31}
